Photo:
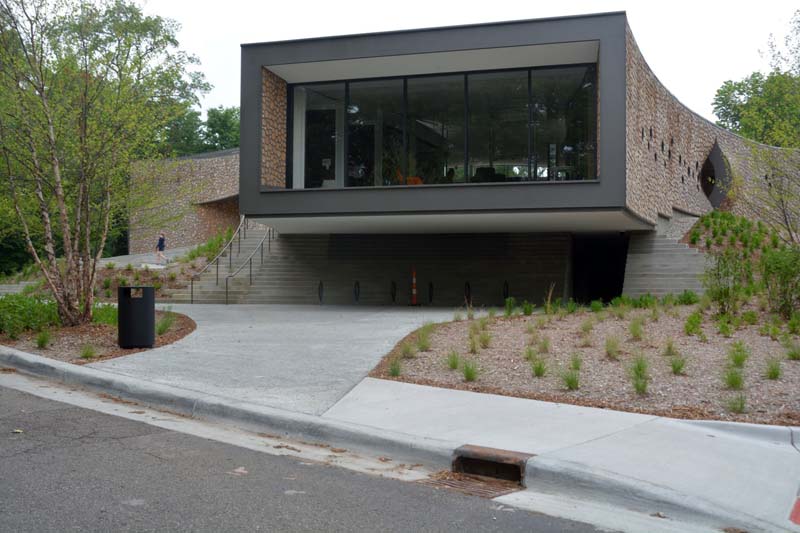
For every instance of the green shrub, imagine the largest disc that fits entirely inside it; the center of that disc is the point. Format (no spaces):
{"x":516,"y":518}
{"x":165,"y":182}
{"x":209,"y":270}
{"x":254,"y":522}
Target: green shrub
{"x":88,"y":352}
{"x":394,"y":367}
{"x":694,"y":237}
{"x":750,"y":318}
{"x":724,"y":326}
{"x":43,"y":339}
{"x":733,"y":378}
{"x":483,"y":322}
{"x":780,"y":274}
{"x":510,"y":306}
{"x":165,"y":322}
{"x":693,"y":323}
{"x":453,"y":360}
{"x":645,"y":301}
{"x":571,"y":379}
{"x":19,"y":313}
{"x":793,"y":325}
{"x":677,"y":364}
{"x":575,"y":362}
{"x":596,"y":306}
{"x":424,"y":339}
{"x":538,"y":367}
{"x":122,"y":281}
{"x":129,"y":267}
{"x":111,"y":265}
{"x":587,"y":326}
{"x":738,"y":354}
{"x":527,"y":308}
{"x":136,"y":276}
{"x":107,"y":293}
{"x":172,"y":276}
{"x":737,"y":404}
{"x":774,"y":370}
{"x":793,"y":351}
{"x":639,"y":374}
{"x":726,"y":278}
{"x":107,"y":283}
{"x":612,"y":348}
{"x":572,"y":306}
{"x":211,"y":247}
{"x":105,"y":314}
{"x":473,"y":344}
{"x":669,"y":348}
{"x":485,"y":339}
{"x":470,"y":370}
{"x":637,"y":328}
{"x":544,"y":345}
{"x":687,"y":297}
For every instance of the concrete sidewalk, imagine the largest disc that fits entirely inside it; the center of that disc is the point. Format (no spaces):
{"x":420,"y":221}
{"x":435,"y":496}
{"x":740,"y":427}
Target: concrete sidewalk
{"x":748,"y":473}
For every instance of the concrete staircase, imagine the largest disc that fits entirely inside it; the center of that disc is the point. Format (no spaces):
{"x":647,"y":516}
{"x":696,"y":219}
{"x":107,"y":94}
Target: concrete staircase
{"x":380,"y":265}
{"x":660,"y":265}
{"x":206,"y":287}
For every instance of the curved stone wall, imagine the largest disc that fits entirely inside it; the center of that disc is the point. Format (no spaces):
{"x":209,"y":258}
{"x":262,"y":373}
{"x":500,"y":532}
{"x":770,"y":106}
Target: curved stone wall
{"x":667,"y":145}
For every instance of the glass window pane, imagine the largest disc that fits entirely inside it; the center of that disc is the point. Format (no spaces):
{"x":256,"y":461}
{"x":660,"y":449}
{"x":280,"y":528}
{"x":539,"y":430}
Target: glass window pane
{"x":498,"y":126}
{"x":435,"y":130}
{"x":375,"y":133}
{"x":564,"y":123}
{"x":318,"y":135}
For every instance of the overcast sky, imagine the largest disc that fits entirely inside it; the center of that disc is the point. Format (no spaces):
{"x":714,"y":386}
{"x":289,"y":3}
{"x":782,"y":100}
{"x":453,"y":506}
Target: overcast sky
{"x":692,"y":46}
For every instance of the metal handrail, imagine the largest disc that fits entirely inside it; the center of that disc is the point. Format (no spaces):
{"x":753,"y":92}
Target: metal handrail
{"x":242,"y":226}
{"x":260,"y":247}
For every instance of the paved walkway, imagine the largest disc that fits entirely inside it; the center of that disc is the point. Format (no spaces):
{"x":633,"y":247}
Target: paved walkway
{"x":299,"y":358}
{"x":148,"y":258}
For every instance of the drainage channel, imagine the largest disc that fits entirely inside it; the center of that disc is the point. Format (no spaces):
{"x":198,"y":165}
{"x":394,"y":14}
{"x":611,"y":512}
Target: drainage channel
{"x":483,"y":472}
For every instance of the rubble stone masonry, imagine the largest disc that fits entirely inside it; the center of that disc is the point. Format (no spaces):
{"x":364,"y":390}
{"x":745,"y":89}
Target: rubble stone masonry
{"x":273,"y":130}
{"x":190,"y":198}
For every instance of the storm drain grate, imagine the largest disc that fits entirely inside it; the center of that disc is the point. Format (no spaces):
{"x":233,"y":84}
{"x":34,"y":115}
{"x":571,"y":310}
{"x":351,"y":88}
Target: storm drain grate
{"x":471,"y":485}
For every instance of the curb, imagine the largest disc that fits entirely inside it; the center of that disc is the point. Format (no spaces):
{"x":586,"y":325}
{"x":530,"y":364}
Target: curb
{"x":759,"y":432}
{"x":431,"y":452}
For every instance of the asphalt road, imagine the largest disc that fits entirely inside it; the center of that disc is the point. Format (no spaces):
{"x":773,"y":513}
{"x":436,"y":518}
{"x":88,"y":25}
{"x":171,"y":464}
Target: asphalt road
{"x":75,"y":469}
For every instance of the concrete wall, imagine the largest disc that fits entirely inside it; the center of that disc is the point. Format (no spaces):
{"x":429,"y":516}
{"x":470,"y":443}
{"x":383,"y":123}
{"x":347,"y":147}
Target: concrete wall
{"x":190,"y":199}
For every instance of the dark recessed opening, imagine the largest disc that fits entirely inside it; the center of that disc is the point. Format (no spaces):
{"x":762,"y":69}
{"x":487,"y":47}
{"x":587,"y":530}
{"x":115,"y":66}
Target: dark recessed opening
{"x":598,"y":266}
{"x":485,"y":467}
{"x":707,"y":178}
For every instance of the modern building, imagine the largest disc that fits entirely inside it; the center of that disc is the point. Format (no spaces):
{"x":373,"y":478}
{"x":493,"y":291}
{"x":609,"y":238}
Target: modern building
{"x":512,"y":158}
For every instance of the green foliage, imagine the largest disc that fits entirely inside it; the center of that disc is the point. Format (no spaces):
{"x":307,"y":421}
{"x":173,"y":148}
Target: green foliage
{"x":612,"y":348}
{"x":88,"y":352}
{"x":483,"y":323}
{"x":572,"y":306}
{"x":221,"y":128}
{"x":473,"y":344}
{"x":693,"y":323}
{"x":165,"y":323}
{"x":529,"y":354}
{"x":733,"y":378}
{"x":527,"y":308}
{"x":510,"y":305}
{"x":571,"y":379}
{"x":453,"y":360}
{"x":20,"y":313}
{"x":677,"y":364}
{"x":637,"y":328}
{"x":773,"y":370}
{"x":780,"y":274}
{"x":129,"y":267}
{"x":669,"y":348}
{"x":457,"y":316}
{"x":587,"y":326}
{"x":687,"y":297}
{"x":726,"y":278}
{"x":470,"y":370}
{"x":172,"y":276}
{"x":424,"y":337}
{"x":539,"y":367}
{"x":639,"y":374}
{"x":793,"y":351}
{"x":395,"y":367}
{"x":485,"y":339}
{"x":724,"y":326}
{"x":793,"y":325}
{"x":107,"y":283}
{"x":750,"y":317}
{"x":737,"y":404}
{"x":212,"y":247}
{"x":111,"y":265}
{"x":596,"y":306}
{"x":575,"y":362}
{"x":105,"y":314}
{"x":43,"y":339}
{"x":738,"y":354}
{"x":544,"y":345}
{"x":470,"y":312}
{"x":407,"y":351}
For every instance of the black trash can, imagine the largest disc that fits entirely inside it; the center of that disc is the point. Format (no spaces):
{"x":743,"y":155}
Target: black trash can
{"x":137,"y":317}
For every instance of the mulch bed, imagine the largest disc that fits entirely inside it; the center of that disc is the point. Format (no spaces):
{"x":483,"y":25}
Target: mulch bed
{"x":605,"y":383}
{"x":66,"y":343}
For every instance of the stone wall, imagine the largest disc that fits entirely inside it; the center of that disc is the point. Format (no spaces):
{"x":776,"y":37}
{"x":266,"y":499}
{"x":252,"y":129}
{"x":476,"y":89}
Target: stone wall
{"x":273,"y":130}
{"x":190,"y":198}
{"x":667,"y":145}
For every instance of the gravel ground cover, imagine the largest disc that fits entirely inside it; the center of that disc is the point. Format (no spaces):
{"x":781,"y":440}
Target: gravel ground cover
{"x":575,"y":345}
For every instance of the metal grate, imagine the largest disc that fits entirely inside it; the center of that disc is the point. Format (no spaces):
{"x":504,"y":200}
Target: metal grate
{"x":470,"y":484}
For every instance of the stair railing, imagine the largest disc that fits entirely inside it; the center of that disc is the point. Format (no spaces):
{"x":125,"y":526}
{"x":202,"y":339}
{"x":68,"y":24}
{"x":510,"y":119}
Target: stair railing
{"x":241,"y":228}
{"x":268,"y":237}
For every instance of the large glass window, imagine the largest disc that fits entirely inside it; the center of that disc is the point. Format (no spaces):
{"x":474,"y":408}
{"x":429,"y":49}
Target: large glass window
{"x":563,"y":123}
{"x":498,"y":126}
{"x":535,"y":124}
{"x":435,"y":128}
{"x":318,"y":135}
{"x":375,"y":133}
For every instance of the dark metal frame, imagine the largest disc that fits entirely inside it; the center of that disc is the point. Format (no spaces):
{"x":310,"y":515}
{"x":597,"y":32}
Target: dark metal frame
{"x":465,"y":74}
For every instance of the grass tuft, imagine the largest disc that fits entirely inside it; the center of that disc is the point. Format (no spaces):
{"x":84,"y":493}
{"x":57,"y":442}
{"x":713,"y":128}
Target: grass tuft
{"x":470,"y":370}
{"x":637,"y":328}
{"x":733,"y":378}
{"x":575,"y":362}
{"x":457,"y":317}
{"x":738,"y":354}
{"x":612,"y":348}
{"x":43,"y":339}
{"x":587,"y":326}
{"x":485,"y":339}
{"x":669,"y":348}
{"x":639,"y":374}
{"x":473,"y":344}
{"x":539,"y":367}
{"x":407,"y":351}
{"x":529,"y":354}
{"x":774,"y":370}
{"x":544,"y":345}
{"x":88,"y":352}
{"x":395,"y":367}
{"x":571,"y":379}
{"x":793,"y":351}
{"x":165,"y":323}
{"x":737,"y":404}
{"x":453,"y":360}
{"x":677,"y":364}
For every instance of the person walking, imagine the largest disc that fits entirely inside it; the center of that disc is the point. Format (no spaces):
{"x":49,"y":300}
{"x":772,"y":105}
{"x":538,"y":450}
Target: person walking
{"x":160,"y":257}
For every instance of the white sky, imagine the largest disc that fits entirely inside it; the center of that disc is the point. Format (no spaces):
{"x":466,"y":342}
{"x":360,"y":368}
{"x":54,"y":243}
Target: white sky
{"x":692,"y":46}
